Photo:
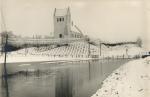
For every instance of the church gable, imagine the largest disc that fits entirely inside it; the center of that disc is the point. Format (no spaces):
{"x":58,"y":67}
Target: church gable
{"x":61,"y":12}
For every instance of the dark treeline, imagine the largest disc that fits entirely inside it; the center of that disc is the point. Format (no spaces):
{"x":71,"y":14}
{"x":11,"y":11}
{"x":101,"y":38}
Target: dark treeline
{"x":118,"y":44}
{"x":9,"y":48}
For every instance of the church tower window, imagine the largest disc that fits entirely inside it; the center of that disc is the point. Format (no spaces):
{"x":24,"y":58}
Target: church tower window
{"x":62,"y":19}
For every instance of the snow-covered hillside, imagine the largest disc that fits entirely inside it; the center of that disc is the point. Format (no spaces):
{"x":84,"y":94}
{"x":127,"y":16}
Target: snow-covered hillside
{"x":77,"y":50}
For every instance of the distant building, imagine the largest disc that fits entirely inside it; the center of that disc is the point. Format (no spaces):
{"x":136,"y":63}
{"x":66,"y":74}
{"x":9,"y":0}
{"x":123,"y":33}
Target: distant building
{"x":63,"y":27}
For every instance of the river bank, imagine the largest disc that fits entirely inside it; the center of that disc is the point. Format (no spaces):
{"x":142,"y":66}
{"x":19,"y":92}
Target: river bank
{"x":17,"y":59}
{"x":130,"y":80}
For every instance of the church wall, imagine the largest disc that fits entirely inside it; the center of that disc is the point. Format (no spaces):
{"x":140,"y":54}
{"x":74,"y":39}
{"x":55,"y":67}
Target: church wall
{"x":59,"y":26}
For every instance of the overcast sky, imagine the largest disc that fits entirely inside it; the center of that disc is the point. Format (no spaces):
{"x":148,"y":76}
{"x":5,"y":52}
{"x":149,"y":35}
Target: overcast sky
{"x":112,"y":20}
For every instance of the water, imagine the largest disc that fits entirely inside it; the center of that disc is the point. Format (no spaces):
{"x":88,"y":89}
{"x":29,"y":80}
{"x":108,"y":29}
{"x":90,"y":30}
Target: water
{"x":44,"y":79}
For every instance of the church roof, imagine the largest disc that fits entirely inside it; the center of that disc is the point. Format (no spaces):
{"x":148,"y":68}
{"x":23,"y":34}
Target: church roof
{"x":75,"y":30}
{"x":61,"y":12}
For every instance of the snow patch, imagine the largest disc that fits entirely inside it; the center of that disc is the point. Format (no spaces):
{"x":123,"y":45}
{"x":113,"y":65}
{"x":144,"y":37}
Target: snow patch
{"x":24,"y":65}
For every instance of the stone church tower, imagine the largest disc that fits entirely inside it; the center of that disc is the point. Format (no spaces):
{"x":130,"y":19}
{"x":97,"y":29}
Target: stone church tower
{"x":62,"y":23}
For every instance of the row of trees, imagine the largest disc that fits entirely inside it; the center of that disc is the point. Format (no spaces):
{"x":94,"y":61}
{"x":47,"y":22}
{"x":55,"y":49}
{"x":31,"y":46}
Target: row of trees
{"x":138,"y":42}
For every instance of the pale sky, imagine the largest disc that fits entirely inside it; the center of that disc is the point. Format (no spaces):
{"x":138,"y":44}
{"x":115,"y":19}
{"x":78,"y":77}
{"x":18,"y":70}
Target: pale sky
{"x":111,"y":20}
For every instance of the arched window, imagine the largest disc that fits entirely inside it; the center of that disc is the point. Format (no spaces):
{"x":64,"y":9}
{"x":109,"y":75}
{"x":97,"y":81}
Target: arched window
{"x":57,"y":19}
{"x":60,"y":36}
{"x":62,"y":19}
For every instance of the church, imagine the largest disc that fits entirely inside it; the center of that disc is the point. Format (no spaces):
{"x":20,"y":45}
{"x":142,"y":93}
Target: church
{"x":63,"y":25}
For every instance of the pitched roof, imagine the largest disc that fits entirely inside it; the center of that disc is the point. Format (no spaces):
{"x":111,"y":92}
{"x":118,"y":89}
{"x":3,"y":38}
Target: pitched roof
{"x":61,"y":12}
{"x":74,"y":29}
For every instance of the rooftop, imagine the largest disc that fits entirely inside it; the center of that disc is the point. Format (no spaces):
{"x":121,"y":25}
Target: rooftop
{"x":61,"y":12}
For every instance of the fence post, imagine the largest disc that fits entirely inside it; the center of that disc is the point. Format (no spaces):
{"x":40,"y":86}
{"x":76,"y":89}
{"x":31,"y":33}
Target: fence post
{"x":5,"y":68}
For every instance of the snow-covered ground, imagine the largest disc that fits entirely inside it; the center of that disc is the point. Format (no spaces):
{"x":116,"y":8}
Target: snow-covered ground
{"x":130,"y":80}
{"x":75,"y":51}
{"x":15,"y":59}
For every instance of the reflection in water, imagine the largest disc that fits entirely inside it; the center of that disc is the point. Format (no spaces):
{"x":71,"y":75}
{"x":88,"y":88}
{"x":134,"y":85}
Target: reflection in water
{"x":63,"y":84}
{"x":89,"y":70}
{"x":4,"y":84}
{"x":76,"y":79}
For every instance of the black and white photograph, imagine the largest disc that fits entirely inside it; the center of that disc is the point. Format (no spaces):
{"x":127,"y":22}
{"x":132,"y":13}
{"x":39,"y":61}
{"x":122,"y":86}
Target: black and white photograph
{"x":74,"y":48}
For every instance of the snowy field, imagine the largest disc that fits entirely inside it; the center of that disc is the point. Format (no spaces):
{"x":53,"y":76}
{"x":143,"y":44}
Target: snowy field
{"x":130,"y":80}
{"x":74,"y":51}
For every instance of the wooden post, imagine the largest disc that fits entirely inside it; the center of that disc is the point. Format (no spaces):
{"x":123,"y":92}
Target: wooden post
{"x":89,"y":52}
{"x":100,"y":49}
{"x":5,"y":68}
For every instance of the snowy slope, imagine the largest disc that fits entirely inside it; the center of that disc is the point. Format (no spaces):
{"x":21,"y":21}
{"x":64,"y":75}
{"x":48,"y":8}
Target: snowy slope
{"x":74,"y":50}
{"x":130,"y":80}
{"x":81,"y":48}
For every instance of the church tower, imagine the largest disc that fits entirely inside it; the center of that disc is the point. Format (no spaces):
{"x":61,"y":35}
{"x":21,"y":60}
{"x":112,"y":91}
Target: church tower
{"x":62,"y":23}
